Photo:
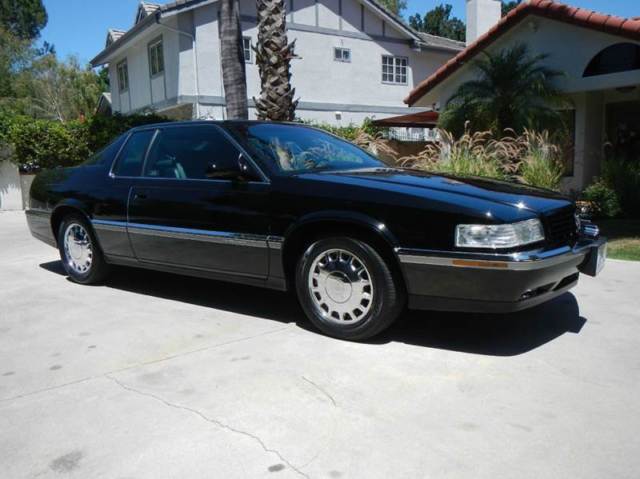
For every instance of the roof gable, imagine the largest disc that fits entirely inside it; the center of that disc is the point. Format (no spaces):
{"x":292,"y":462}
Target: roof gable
{"x":624,"y":27}
{"x":145,"y":9}
{"x":112,"y":35}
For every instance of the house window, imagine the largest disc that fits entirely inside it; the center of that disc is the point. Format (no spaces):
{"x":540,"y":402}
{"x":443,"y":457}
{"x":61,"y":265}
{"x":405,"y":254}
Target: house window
{"x":342,"y":54}
{"x":156,"y":58}
{"x":394,"y":70}
{"x":621,"y":57}
{"x":246,"y":44}
{"x":123,"y":76}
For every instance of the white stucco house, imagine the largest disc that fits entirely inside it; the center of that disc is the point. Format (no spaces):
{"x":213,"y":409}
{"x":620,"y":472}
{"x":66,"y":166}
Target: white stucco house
{"x":599,"y":55}
{"x":356,"y":60}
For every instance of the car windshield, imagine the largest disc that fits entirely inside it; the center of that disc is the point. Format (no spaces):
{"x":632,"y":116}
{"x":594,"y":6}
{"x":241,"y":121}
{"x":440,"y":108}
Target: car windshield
{"x":299,"y":149}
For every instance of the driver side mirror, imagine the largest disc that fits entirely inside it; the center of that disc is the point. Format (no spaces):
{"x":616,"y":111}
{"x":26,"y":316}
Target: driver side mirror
{"x":247,"y":172}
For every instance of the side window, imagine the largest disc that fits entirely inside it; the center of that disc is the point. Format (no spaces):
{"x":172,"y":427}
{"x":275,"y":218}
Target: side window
{"x":107,"y":154}
{"x":132,"y":155}
{"x":195,"y":152}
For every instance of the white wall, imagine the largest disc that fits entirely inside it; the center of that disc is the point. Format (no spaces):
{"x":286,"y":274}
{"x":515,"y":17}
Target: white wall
{"x":570,"y":49}
{"x":10,"y":191}
{"x":144,"y":91}
{"x":354,"y":88}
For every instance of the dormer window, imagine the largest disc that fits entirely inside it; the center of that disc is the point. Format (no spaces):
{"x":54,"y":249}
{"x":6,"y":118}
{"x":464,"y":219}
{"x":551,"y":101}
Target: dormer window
{"x":156,"y":58}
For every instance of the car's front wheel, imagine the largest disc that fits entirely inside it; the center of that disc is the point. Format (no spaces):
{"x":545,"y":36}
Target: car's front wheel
{"x":79,"y":251}
{"x":347,"y":289}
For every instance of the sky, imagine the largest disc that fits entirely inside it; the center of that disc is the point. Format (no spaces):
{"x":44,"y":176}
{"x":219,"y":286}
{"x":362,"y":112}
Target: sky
{"x":79,"y":27}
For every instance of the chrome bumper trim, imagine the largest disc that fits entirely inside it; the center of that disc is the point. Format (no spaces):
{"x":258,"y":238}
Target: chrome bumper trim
{"x":523,"y":261}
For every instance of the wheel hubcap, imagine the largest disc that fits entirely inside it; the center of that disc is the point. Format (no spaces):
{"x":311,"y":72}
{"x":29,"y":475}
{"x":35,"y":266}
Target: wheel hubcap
{"x":340,"y":286}
{"x":77,"y":248}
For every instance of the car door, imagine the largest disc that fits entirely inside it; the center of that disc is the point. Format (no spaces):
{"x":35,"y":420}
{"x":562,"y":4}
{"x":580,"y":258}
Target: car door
{"x":194,"y":208}
{"x":112,"y":194}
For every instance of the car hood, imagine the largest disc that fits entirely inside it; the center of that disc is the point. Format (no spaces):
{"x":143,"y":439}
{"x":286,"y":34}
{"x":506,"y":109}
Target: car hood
{"x":509,"y":194}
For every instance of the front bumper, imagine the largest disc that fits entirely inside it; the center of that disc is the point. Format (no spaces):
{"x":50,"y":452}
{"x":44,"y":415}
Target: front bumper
{"x":495,"y":283}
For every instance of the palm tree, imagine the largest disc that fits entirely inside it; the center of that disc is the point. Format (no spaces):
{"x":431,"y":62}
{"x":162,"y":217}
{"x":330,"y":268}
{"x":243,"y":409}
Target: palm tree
{"x":513,"y":90}
{"x":273,"y":56}
{"x":234,"y":76}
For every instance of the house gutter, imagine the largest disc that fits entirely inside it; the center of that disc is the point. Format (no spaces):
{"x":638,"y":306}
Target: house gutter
{"x":195,"y":58}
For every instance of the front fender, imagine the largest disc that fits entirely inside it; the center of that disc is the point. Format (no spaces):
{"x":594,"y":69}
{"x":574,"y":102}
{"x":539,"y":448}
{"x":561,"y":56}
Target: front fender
{"x":361,"y":220}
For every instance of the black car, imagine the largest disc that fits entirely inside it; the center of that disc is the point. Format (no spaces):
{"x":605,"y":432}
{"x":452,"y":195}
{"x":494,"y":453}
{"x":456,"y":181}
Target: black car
{"x":286,"y":206}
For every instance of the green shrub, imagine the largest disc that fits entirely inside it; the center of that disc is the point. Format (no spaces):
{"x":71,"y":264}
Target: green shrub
{"x":603,"y":199}
{"x":349,"y":132}
{"x":39,"y":144}
{"x":103,"y":129}
{"x":624,"y":178}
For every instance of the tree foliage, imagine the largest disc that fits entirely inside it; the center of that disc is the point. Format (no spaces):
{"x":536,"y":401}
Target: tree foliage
{"x":22,"y":18}
{"x":439,"y":21}
{"x":394,"y":6}
{"x":512,"y":90}
{"x":58,"y":90}
{"x":507,"y":6}
{"x":38,"y":143}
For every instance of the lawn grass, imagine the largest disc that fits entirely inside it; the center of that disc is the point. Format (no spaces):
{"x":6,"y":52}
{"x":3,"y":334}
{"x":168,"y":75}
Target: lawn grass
{"x":624,"y":238}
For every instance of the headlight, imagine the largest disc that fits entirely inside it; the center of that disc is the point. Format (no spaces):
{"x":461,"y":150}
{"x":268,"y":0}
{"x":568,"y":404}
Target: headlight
{"x":499,"y":236}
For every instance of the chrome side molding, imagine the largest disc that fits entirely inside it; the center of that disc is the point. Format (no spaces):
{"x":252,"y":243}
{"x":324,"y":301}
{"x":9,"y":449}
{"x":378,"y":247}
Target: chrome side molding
{"x":219,"y":237}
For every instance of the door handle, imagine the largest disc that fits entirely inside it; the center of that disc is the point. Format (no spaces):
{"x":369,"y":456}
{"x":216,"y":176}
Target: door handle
{"x":140,"y":196}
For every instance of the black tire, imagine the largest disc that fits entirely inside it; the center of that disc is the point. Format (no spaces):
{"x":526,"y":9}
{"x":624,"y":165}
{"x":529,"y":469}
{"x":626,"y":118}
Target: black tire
{"x":98,"y":268}
{"x":387,"y":303}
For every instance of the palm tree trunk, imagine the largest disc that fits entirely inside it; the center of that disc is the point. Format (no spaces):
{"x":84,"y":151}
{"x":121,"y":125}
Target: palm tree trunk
{"x":234,"y":76}
{"x":273,"y":56}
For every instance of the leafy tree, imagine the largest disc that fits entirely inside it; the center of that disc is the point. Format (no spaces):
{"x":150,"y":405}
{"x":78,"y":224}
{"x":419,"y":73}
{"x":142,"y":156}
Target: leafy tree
{"x":103,"y":75}
{"x":439,"y":22}
{"x":23,"y":18}
{"x":512,"y":90}
{"x":394,"y":6}
{"x":57,"y":90}
{"x":507,"y":6}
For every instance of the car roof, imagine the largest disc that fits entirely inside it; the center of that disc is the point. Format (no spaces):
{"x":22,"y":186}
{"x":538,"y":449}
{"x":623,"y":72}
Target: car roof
{"x":214,"y":122}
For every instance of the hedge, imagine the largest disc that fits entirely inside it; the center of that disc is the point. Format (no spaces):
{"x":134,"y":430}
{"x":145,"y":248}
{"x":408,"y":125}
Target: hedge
{"x":36,"y":144}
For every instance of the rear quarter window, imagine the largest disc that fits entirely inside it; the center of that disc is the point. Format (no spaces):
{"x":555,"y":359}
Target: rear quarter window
{"x":131,"y":157}
{"x":107,"y":154}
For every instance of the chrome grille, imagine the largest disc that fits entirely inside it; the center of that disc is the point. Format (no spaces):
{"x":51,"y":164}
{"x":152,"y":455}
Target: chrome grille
{"x":561,"y":228}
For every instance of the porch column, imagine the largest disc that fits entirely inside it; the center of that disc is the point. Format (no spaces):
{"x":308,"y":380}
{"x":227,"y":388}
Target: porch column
{"x":589,"y":138}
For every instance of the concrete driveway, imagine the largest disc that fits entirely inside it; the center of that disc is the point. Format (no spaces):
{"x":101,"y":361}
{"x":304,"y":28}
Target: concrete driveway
{"x":160,"y":376}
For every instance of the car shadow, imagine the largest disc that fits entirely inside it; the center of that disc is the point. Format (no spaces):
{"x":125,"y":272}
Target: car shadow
{"x":485,"y":334}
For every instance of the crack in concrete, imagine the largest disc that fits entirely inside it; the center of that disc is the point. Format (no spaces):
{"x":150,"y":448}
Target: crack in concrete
{"x":216,"y":422}
{"x":322,"y":390}
{"x":139,"y":365}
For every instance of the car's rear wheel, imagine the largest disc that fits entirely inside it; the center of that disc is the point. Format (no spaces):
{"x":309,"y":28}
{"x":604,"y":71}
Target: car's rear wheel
{"x":347,"y":289}
{"x":79,"y":251}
